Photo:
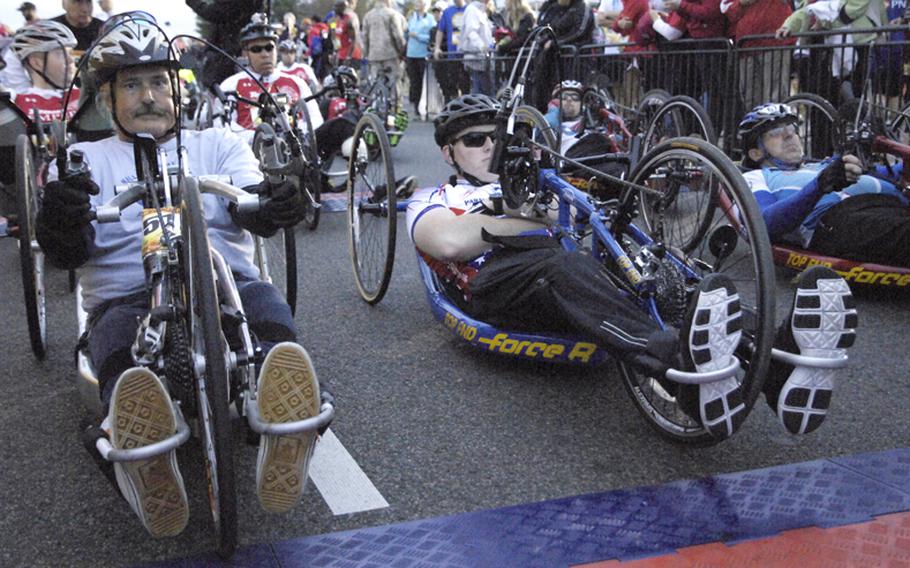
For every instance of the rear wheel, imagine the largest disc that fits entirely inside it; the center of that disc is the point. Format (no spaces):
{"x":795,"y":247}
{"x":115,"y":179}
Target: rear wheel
{"x":212,"y":388}
{"x":677,"y":117}
{"x":704,"y":213}
{"x":31,"y":258}
{"x":648,"y":105}
{"x":817,"y":124}
{"x":372,"y":213}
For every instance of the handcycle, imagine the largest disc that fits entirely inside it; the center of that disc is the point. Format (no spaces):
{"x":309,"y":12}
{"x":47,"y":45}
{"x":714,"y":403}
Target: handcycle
{"x":34,"y":142}
{"x":859,"y":128}
{"x":195,"y":335}
{"x":684,"y":191}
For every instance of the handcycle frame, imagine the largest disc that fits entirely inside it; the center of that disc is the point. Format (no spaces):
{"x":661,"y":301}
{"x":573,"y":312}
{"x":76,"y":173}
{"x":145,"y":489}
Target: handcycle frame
{"x":188,"y":283}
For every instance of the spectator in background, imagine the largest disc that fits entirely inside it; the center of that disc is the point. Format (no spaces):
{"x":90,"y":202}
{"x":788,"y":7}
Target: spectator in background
{"x":290,"y":31}
{"x":78,"y":18}
{"x":107,"y":10}
{"x":520,"y":20}
{"x":29,"y":12}
{"x":227,"y":18}
{"x":420,"y":24}
{"x":319,"y":47}
{"x":348,"y":46}
{"x":383,"y":40}
{"x":763,"y":75}
{"x":476,"y":40}
{"x":453,"y":78}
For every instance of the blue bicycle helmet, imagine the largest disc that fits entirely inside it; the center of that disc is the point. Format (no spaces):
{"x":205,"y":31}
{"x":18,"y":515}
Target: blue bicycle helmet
{"x":460,"y":113}
{"x":762,"y":119}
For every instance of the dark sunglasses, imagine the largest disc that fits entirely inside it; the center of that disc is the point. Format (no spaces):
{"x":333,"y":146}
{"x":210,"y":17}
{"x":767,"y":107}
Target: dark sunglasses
{"x":260,"y":48}
{"x":475,"y":139}
{"x":571,"y":98}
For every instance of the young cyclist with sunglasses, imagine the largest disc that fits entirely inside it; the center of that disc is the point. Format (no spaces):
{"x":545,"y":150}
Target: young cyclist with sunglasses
{"x":258,"y":41}
{"x":507,"y":270}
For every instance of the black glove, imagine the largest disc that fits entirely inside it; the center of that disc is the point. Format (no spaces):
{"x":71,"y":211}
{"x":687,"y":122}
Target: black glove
{"x":281,"y":203}
{"x":63,"y":224}
{"x":833,"y":177}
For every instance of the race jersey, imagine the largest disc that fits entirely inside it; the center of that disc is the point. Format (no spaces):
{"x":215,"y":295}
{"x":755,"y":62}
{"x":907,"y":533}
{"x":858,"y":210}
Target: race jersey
{"x":49,"y":103}
{"x":771,"y":185}
{"x":115,"y":267}
{"x":300,"y":70}
{"x":462,"y":198}
{"x":277,"y":82}
{"x":344,"y":35}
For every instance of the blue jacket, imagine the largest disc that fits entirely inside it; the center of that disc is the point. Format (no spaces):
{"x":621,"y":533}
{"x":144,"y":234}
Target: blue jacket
{"x":419,"y":28}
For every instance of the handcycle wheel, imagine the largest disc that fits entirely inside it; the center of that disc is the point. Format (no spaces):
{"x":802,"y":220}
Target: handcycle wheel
{"x":676,"y":117}
{"x":648,"y":105}
{"x":312,"y":177}
{"x":212,"y":386}
{"x":372,"y":213}
{"x":899,"y":126}
{"x":818,"y":124}
{"x":708,"y":219}
{"x":277,"y":257}
{"x":31,"y":258}
{"x":541,"y":131}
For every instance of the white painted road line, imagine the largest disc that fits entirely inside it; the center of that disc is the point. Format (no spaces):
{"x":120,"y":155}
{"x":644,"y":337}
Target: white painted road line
{"x":344,"y":486}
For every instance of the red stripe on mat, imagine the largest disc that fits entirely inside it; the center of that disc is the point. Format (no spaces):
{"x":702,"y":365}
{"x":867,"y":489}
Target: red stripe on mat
{"x":883,"y":542}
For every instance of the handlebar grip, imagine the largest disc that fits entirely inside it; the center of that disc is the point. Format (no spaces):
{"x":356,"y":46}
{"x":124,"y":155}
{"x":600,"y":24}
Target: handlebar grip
{"x":219,"y":94}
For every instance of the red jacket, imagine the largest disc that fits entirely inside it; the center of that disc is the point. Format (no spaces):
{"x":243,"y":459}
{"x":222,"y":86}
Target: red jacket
{"x":640,"y":33}
{"x":762,"y":17}
{"x":703,"y":18}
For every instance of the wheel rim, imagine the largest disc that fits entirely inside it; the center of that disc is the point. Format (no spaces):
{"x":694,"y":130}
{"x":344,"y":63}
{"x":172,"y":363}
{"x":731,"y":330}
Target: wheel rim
{"x":30,"y":255}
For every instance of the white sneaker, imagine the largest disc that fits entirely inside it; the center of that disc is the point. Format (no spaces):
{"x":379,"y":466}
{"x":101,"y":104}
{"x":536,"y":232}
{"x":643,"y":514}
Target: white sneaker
{"x":141,"y":414}
{"x":288,"y":391}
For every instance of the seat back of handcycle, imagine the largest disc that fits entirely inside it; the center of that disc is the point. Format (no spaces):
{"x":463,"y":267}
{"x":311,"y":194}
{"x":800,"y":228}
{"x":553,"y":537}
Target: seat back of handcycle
{"x":549,"y":348}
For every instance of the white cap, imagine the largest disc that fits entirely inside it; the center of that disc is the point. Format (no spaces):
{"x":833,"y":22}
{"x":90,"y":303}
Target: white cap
{"x":441,"y":5}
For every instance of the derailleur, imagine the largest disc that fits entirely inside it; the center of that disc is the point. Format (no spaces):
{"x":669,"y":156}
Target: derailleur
{"x":150,"y":337}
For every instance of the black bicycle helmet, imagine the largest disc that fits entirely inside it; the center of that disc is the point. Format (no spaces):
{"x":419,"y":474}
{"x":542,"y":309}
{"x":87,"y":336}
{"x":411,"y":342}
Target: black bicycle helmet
{"x":460,"y":113}
{"x":762,"y":119}
{"x":345,"y":78}
{"x":132,"y":41}
{"x":258,"y":28}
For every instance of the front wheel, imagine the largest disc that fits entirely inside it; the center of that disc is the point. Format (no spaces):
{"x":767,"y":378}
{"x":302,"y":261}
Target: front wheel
{"x":372,"y":212}
{"x":700,"y":207}
{"x":31,"y":259}
{"x":678,"y":117}
{"x":210,"y":370}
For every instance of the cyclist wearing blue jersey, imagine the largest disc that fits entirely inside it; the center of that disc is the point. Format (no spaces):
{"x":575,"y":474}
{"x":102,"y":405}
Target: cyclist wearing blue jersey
{"x":828,"y":207}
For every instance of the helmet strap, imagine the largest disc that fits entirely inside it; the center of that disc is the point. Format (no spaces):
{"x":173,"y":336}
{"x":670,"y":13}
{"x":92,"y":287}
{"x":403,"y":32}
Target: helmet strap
{"x":42,"y":73}
{"x":470,"y":179}
{"x":778,"y":163}
{"x":132,"y":135}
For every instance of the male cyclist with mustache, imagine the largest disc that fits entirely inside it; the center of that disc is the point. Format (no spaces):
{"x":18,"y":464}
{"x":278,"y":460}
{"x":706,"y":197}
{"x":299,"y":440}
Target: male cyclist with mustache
{"x":135,"y":75}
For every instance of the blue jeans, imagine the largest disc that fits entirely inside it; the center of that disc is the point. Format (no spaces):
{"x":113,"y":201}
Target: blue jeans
{"x":113,"y":326}
{"x":482,"y":82}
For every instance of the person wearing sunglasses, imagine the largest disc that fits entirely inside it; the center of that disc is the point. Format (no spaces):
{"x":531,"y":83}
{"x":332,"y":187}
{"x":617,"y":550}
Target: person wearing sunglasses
{"x":828,"y":207}
{"x":258,"y":42}
{"x":507,"y":270}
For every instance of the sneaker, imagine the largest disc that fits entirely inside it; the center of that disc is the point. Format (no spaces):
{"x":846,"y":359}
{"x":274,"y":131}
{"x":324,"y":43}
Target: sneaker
{"x":821,"y":323}
{"x":709,"y":336}
{"x":288,"y":391}
{"x":141,"y":414}
{"x":405,"y":187}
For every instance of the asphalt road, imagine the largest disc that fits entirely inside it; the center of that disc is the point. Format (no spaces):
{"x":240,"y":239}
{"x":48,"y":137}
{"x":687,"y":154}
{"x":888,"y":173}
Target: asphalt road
{"x":438,"y":427}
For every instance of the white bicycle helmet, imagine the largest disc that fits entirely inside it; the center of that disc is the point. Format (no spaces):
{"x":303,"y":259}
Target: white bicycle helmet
{"x":41,"y":37}
{"x":132,"y":41}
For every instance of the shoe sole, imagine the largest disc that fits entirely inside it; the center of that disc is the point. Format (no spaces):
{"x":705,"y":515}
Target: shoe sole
{"x":288,"y":392}
{"x":823,"y":324}
{"x":713,"y":337}
{"x":142,"y":415}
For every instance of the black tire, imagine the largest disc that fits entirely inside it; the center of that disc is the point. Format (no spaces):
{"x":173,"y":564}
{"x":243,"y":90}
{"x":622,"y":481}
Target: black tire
{"x":678,"y":117}
{"x":277,"y":264}
{"x":899,"y":125}
{"x":212,"y":388}
{"x":818,"y":124}
{"x":649,"y":104}
{"x":542,"y":132}
{"x":372,"y":214}
{"x":31,"y":259}
{"x":312,"y":178}
{"x":706,"y":199}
